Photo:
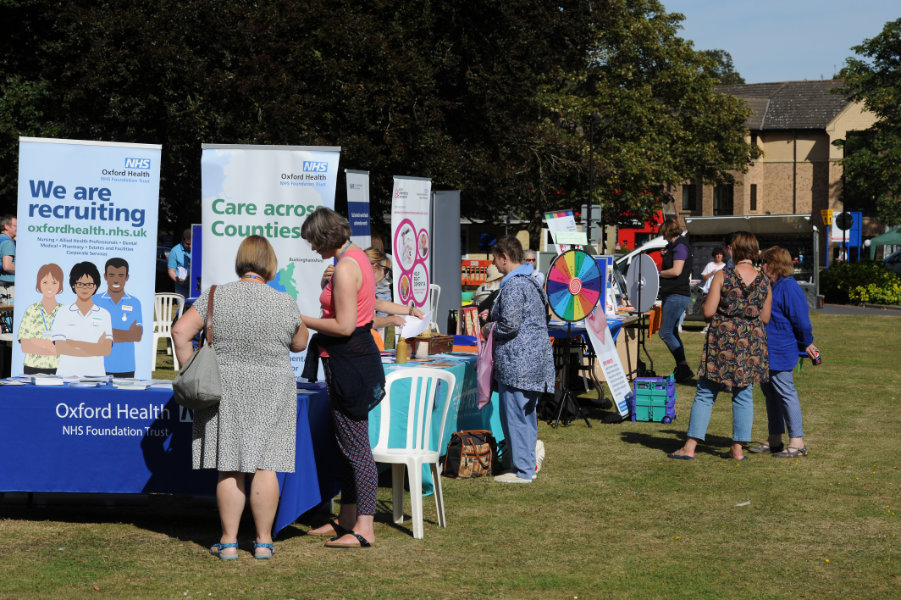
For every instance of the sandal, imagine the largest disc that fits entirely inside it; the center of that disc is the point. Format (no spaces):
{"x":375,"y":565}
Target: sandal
{"x":264,"y":547}
{"x":791,"y":452}
{"x":360,"y":543}
{"x":765,"y":448}
{"x":337,"y":530}
{"x":216,"y":550}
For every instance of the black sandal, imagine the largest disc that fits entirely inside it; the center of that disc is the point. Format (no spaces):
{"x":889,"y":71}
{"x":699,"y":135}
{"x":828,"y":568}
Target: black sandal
{"x":361,"y":542}
{"x":791,"y":452}
{"x":337,"y":530}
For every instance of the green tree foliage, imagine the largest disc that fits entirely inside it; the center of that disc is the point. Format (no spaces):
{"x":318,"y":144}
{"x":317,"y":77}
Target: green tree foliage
{"x":722,"y":67}
{"x":490,"y":97}
{"x":872,"y":163}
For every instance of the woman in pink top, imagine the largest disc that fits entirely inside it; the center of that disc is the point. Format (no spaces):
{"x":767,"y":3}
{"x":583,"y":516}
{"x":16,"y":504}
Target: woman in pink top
{"x":353,"y":372}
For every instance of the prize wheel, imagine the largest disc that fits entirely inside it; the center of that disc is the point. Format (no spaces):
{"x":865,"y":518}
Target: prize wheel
{"x":573,"y":285}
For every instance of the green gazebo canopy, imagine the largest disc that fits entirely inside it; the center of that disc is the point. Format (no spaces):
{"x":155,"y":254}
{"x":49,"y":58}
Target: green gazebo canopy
{"x":892,"y":238}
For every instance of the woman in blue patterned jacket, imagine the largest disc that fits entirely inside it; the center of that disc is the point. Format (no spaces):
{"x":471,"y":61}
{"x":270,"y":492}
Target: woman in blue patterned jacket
{"x":523,"y":360}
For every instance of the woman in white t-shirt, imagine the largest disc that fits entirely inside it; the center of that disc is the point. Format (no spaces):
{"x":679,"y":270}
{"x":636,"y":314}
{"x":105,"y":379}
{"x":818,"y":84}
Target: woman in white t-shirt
{"x":707,"y":274}
{"x":712,"y":267}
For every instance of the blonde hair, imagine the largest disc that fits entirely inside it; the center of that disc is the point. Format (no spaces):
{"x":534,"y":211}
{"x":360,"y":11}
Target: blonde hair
{"x":256,"y":254}
{"x":779,"y":260}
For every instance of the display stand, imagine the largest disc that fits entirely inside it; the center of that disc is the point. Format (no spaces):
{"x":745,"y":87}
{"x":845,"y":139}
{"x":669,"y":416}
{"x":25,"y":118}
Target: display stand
{"x":643,"y":284}
{"x":574,"y":283}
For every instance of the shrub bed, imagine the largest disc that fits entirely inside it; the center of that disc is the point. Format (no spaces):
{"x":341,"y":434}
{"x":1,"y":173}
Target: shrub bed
{"x":860,"y":283}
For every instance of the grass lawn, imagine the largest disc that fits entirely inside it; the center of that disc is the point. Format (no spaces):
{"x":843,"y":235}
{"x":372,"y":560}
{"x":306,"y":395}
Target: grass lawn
{"x":609,"y":516}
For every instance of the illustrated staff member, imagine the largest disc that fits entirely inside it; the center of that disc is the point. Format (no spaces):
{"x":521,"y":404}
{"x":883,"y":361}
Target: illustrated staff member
{"x":82,"y":331}
{"x":34,"y":330}
{"x":125,"y":313}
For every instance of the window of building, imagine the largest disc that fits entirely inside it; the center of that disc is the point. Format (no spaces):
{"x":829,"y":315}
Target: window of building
{"x":753,"y":196}
{"x":722,"y":200}
{"x":689,"y":194}
{"x":753,"y":139}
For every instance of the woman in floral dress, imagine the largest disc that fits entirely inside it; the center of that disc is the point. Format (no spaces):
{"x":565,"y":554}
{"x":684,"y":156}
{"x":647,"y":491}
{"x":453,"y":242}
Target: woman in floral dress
{"x":735,"y":353}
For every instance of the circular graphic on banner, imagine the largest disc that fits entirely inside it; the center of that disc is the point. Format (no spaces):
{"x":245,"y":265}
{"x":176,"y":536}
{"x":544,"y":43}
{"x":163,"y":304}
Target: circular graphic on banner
{"x":405,"y":245}
{"x":420,"y":284}
{"x":403,"y":287}
{"x":573,"y":285}
{"x":411,"y":250}
{"x":423,"y":244}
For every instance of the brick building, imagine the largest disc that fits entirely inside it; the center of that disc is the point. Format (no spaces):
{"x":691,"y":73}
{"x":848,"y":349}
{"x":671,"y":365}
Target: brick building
{"x":794,"y":124}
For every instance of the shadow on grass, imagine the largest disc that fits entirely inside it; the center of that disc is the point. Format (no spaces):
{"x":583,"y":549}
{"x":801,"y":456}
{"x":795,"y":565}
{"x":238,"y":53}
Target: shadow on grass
{"x":190,"y":519}
{"x":713,"y":445}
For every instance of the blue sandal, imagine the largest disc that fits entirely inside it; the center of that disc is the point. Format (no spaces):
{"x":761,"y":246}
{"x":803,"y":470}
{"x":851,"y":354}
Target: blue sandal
{"x":220,"y":547}
{"x":258,"y":545}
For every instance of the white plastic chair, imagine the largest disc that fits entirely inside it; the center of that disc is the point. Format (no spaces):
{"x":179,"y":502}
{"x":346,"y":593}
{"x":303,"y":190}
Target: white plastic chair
{"x":434,"y":295}
{"x":418,"y":439}
{"x":166,"y":309}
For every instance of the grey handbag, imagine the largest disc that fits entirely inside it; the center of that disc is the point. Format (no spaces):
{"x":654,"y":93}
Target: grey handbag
{"x":197,"y":385}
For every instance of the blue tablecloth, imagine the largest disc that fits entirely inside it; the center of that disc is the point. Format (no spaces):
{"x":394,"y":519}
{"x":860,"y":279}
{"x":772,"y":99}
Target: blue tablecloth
{"x":560,"y":330}
{"x":106,"y":440}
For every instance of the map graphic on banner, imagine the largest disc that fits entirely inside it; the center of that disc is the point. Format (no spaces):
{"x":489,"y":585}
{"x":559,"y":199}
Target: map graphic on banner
{"x":411,"y":240}
{"x":85,"y":257}
{"x":268,"y":191}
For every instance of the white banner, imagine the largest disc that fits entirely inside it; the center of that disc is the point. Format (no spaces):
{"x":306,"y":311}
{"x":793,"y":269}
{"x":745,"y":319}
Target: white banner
{"x":268,"y":191}
{"x":87,"y":215}
{"x":559,"y":222}
{"x":411,"y":240}
{"x":358,"y":207}
{"x":605,"y":349}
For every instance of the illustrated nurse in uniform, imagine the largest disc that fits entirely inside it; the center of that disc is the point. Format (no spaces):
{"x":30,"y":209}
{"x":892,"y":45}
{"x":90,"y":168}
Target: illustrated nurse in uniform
{"x":82,"y":331}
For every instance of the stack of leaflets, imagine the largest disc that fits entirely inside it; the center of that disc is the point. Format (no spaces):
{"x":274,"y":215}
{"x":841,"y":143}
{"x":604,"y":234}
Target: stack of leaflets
{"x":129,"y":383}
{"x":42,"y":379}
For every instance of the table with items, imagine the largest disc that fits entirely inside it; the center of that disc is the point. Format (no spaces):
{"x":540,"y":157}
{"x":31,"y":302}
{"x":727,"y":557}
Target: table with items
{"x":101,"y":438}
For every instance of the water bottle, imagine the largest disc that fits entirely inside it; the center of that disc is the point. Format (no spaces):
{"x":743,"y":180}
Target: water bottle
{"x":389,"y":337}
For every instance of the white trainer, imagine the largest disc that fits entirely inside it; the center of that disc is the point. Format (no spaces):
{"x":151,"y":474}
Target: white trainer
{"x":511,"y":478}
{"x":539,"y":455}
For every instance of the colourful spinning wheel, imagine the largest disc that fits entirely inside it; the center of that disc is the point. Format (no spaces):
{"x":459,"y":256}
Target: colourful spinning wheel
{"x":573,"y":285}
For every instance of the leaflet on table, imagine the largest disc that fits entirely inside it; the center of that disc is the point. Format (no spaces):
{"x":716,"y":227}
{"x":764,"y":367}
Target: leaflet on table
{"x":414,"y":326}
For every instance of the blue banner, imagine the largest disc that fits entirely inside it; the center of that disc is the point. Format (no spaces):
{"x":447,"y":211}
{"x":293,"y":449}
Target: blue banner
{"x":86,"y":257}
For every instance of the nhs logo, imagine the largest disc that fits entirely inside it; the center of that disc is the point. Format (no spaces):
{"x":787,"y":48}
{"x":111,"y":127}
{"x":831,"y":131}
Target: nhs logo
{"x":137,"y":163}
{"x":313,"y":166}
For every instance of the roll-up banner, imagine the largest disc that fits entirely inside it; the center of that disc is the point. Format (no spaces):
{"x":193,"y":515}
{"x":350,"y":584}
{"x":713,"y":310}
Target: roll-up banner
{"x":358,"y":207}
{"x":85,"y":257}
{"x":267,"y":191}
{"x":411,"y":240}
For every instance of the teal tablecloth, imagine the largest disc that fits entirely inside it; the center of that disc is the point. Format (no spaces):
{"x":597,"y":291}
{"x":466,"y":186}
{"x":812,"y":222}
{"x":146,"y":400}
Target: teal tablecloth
{"x":462,"y":414}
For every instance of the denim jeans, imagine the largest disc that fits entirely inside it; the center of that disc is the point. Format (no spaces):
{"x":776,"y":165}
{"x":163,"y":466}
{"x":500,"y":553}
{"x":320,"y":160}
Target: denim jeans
{"x":673,"y":308}
{"x":783,"y":407}
{"x":742,"y":410}
{"x":520,"y":425}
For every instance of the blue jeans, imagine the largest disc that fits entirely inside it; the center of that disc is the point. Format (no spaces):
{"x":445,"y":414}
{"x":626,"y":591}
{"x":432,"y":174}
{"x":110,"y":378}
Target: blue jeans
{"x":742,"y":410}
{"x":783,"y":407}
{"x":520,"y":425}
{"x":674,"y":307}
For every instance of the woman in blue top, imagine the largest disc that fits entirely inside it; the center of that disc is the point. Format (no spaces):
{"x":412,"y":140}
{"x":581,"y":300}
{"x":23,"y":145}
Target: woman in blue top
{"x":788,"y":331}
{"x":523,"y":360}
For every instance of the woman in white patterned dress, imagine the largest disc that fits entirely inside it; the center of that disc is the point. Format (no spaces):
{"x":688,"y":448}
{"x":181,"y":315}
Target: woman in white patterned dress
{"x":252,"y":430}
